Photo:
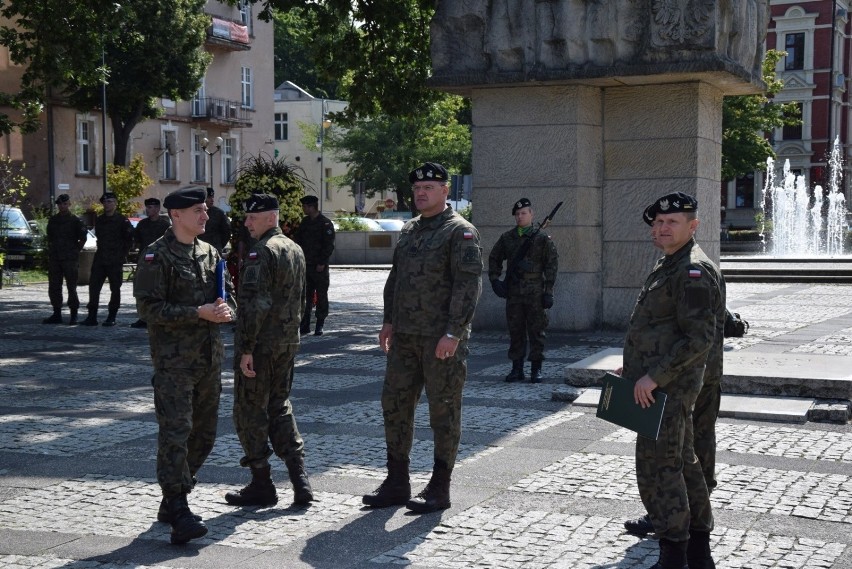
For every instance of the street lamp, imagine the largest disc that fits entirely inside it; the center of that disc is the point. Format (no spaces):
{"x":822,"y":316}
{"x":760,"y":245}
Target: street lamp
{"x":324,"y":124}
{"x":204,"y":144}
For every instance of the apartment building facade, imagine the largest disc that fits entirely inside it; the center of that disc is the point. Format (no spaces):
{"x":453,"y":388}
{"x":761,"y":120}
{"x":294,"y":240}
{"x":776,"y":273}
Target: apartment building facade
{"x":201,"y":141}
{"x":816,"y":73}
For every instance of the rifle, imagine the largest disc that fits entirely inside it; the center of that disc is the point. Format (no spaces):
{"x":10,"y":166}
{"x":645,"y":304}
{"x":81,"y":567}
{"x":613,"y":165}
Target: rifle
{"x":512,"y":272}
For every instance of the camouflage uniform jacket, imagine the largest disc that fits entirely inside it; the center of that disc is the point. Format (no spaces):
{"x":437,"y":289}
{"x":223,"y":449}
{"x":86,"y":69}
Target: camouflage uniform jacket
{"x":673,"y":324}
{"x":217,"y":230}
{"x":66,"y":235}
{"x":115,"y":235}
{"x":148,"y":230}
{"x":436,"y":277}
{"x":316,"y":238}
{"x":272,"y":295}
{"x":172,"y":281}
{"x":537,"y":269}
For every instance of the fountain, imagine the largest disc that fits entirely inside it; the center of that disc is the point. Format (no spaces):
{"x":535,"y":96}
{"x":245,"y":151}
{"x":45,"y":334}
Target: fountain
{"x":799,"y":226}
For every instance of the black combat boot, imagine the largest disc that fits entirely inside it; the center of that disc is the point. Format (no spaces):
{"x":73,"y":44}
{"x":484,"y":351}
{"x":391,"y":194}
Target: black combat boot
{"x":110,"y":321}
{"x":672,"y":555}
{"x":56,"y":318}
{"x":640,"y":527}
{"x":163,"y":514}
{"x":535,"y":372}
{"x":302,"y":491}
{"x":73,"y":320}
{"x":184,"y":524}
{"x":259,"y":492}
{"x":139,"y":324}
{"x":698,"y":554}
{"x":318,"y":330}
{"x":517,"y":373}
{"x":396,"y":488}
{"x":436,"y":495}
{"x":91,"y":319}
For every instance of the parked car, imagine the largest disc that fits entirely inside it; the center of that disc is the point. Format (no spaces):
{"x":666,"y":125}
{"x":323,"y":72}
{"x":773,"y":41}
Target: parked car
{"x":19,"y":238}
{"x":390,"y":224}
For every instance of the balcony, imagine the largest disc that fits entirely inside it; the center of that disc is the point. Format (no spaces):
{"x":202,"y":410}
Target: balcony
{"x":228,"y":35}
{"x":221,"y":112}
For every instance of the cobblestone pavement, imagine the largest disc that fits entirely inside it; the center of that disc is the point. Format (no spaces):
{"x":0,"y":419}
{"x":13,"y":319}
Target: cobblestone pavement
{"x":539,"y":483}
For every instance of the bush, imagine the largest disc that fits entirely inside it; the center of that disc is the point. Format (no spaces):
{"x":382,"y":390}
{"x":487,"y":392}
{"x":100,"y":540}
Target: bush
{"x":351,"y":223}
{"x":743,"y":235}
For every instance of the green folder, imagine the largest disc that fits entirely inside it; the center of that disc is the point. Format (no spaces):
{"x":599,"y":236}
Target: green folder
{"x":618,"y":407}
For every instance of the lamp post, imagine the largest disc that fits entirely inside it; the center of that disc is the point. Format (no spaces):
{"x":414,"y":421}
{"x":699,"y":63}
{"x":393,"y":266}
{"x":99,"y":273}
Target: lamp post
{"x":204,"y":144}
{"x":103,"y":115}
{"x":324,"y":124}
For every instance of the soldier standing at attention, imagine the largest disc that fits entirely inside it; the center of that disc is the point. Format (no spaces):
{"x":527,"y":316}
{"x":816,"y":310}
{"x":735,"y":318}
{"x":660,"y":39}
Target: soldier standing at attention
{"x":671,"y":332}
{"x":217,"y":232}
{"x":176,"y":294}
{"x":66,"y":235}
{"x":528,"y":288}
{"x":147,"y":231}
{"x":115,"y":235}
{"x":267,"y":340}
{"x":430,"y":297}
{"x":315,"y":236}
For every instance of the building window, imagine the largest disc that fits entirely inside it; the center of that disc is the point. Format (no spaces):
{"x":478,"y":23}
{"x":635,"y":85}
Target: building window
{"x":169,"y":155}
{"x":199,"y":159}
{"x":244,"y":7}
{"x":247,"y":94}
{"x":229,"y":160}
{"x":280,"y":126}
{"x":794,"y":45}
{"x":198,"y":101}
{"x":327,"y":185}
{"x":85,"y":146}
{"x":793,"y":132}
{"x":745,"y":190}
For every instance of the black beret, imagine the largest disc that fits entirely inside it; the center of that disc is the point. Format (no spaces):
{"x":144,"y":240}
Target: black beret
{"x":677,"y":202}
{"x":210,"y":193}
{"x":520,"y":204}
{"x":259,"y":203}
{"x":62,"y":198}
{"x":152,"y":201}
{"x":428,"y":172}
{"x":185,"y":197}
{"x":309,"y":200}
{"x":108,"y":196}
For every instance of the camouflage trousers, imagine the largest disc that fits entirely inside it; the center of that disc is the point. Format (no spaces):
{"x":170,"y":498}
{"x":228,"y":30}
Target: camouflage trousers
{"x":57,"y":271}
{"x":527,"y":320}
{"x":411,"y":366}
{"x":671,"y":483}
{"x":186,"y":402}
{"x":262,"y":408}
{"x":319,"y":283}
{"x":704,"y":427}
{"x":102,"y":271}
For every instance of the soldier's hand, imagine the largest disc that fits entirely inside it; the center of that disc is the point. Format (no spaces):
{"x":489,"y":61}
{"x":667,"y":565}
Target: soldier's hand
{"x":217,"y":311}
{"x":642,"y":391}
{"x":385,"y":336}
{"x":547,"y":300}
{"x":247,"y":365}
{"x":499,"y":287}
{"x":446,"y":347}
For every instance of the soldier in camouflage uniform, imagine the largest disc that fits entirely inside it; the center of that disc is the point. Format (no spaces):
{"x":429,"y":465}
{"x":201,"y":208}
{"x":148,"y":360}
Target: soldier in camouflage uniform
{"x":430,"y":297}
{"x":315,"y":235}
{"x":115,"y":235}
{"x":528,"y":288}
{"x":176,"y":293}
{"x":147,"y":231}
{"x":217,"y":232}
{"x":66,"y":235}
{"x":671,"y":332}
{"x":267,"y":340}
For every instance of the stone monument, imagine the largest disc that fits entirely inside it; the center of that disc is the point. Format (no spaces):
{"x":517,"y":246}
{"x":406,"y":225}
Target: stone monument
{"x":602,"y":104}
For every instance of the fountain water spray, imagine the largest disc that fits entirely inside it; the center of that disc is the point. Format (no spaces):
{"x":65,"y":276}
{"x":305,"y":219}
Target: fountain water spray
{"x":799,"y":227}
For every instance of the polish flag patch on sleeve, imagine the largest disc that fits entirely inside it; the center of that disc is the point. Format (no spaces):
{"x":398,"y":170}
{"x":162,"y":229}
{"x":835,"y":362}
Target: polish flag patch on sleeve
{"x":253,"y":255}
{"x":694,"y":273}
{"x":468,"y":235}
{"x":149,"y":257}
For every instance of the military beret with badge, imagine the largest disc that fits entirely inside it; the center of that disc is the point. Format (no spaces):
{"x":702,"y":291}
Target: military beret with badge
{"x":185,"y":197}
{"x":309,"y":200}
{"x":521,"y":204}
{"x":677,"y":202}
{"x":259,"y":203}
{"x":152,"y":201}
{"x":428,"y":172}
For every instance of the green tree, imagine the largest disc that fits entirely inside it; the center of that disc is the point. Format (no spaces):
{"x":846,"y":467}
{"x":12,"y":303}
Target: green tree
{"x":747,"y":118}
{"x":143,"y":49}
{"x":128,"y":183}
{"x":381,"y":151}
{"x":294,"y":54}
